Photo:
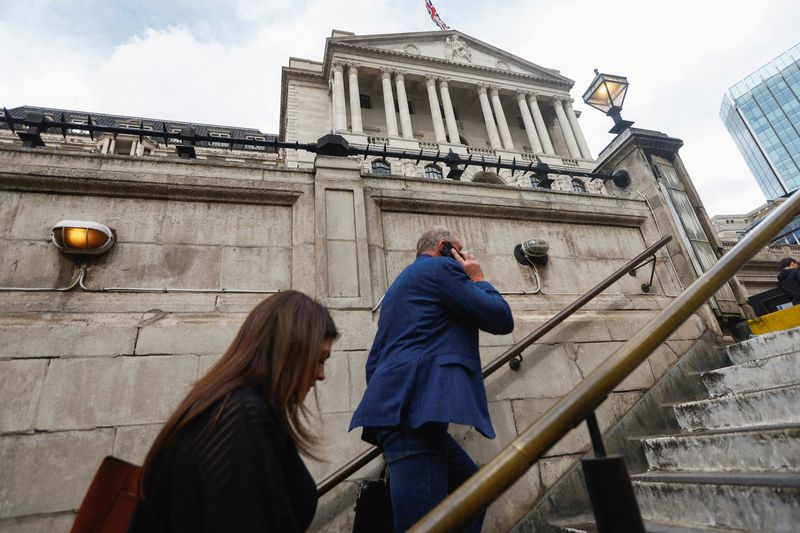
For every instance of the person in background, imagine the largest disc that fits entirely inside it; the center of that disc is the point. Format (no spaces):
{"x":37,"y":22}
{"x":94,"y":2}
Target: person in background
{"x":789,"y":279}
{"x":424,"y":372}
{"x":227,"y":459}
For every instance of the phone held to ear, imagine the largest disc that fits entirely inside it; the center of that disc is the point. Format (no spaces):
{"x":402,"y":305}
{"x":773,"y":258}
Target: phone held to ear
{"x":446,"y":249}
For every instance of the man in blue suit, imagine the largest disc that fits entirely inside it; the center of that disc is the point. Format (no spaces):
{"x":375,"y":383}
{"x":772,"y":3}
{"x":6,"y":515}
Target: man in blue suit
{"x":424,"y":372}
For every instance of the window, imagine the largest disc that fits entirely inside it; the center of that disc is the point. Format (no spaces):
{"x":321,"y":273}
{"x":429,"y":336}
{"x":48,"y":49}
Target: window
{"x":578,"y":186}
{"x":365,"y":101}
{"x":433,"y":172}
{"x":219,"y":134}
{"x":381,"y":167}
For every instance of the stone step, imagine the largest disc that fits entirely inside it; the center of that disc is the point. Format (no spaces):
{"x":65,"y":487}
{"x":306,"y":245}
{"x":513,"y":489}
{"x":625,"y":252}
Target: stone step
{"x":761,"y":408}
{"x":761,"y":374}
{"x":767,"y":345}
{"x":765,"y":502}
{"x":587,"y":525}
{"x":751,"y":449}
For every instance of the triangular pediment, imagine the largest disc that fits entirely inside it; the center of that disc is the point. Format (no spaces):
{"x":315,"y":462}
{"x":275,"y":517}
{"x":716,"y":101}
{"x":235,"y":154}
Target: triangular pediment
{"x":450,"y":46}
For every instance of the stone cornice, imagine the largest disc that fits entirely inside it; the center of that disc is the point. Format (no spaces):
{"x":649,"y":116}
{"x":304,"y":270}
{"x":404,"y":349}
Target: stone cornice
{"x":437,"y":61}
{"x":632,"y":139}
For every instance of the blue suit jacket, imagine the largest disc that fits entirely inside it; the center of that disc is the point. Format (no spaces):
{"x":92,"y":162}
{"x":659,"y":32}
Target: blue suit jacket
{"x":424,"y":365}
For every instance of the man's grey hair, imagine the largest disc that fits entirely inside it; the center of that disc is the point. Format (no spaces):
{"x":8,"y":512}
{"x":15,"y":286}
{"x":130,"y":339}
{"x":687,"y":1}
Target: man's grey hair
{"x":431,"y":237}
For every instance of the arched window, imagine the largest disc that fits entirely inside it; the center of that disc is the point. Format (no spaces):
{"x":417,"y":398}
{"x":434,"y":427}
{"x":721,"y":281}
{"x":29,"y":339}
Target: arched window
{"x":488,"y":177}
{"x":433,"y":172}
{"x":578,"y":185}
{"x":381,"y":167}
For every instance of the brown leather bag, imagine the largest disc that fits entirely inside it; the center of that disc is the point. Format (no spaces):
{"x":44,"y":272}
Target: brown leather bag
{"x":111,"y":499}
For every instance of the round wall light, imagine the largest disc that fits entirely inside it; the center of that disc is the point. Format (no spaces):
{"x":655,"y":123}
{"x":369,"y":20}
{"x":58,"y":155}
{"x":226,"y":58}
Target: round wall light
{"x":82,"y":237}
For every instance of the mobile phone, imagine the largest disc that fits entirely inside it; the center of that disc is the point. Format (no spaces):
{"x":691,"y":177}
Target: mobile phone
{"x":446,"y":249}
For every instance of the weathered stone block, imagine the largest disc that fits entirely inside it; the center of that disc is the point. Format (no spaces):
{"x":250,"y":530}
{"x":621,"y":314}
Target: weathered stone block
{"x":333,"y":393}
{"x":32,"y":264}
{"x":481,"y":449}
{"x":356,"y":329}
{"x":692,"y":329}
{"x":20,"y":386}
{"x":85,"y":393}
{"x":358,"y":381}
{"x":179,"y":266}
{"x":591,"y":355}
{"x":227,"y":224}
{"x":49,"y":472}
{"x":336,"y":446}
{"x":514,"y":503}
{"x":552,"y":468}
{"x":342,"y":259}
{"x":661,"y":360}
{"x":584,"y":327}
{"x":200,"y":334}
{"x":131,"y":443}
{"x":66,"y":335}
{"x":339,"y":215}
{"x":256,"y":268}
{"x":526,"y":412}
{"x":547,"y":371}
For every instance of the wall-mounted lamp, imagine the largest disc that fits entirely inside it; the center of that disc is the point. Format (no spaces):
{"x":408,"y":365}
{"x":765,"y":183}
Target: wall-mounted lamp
{"x":82,"y":237}
{"x":606,"y":93}
{"x":532,"y":252}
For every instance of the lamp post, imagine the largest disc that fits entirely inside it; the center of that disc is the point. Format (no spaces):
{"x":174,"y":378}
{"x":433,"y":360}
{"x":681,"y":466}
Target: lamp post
{"x":607,"y":94}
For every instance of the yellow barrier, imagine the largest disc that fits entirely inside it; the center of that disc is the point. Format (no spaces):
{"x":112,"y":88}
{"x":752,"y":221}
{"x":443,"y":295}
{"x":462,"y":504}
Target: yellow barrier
{"x":777,"y":321}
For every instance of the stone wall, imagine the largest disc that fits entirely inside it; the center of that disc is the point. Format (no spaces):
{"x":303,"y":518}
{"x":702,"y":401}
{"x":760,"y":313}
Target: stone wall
{"x":88,"y":374}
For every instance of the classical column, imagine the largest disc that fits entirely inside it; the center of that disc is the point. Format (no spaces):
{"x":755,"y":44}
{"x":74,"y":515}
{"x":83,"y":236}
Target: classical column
{"x":502,"y":125}
{"x":541,"y":127}
{"x":388,"y":102}
{"x":536,"y":146}
{"x":576,"y":129}
{"x":339,"y":106}
{"x":436,"y":115}
{"x":488,"y":118}
{"x":402,"y":103}
{"x":449,"y":114}
{"x":355,"y":99}
{"x":572,"y":144}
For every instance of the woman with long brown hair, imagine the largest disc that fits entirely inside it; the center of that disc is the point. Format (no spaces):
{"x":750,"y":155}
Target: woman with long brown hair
{"x":227,"y":459}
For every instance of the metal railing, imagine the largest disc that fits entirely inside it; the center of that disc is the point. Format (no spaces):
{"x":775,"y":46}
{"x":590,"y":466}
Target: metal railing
{"x":512,"y":355}
{"x":513,"y":461}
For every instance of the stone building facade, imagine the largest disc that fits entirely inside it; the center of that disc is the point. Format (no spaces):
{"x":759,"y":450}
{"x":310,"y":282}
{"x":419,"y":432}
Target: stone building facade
{"x":89,"y":373}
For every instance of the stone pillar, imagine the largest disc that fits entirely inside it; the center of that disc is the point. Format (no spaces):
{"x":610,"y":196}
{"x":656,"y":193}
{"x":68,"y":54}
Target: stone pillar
{"x":576,"y":129}
{"x":388,"y":102}
{"x":536,"y":146}
{"x":541,"y":128}
{"x":572,"y":144}
{"x":339,"y":106}
{"x":355,"y":99}
{"x":449,"y":114}
{"x":502,"y":125}
{"x":436,"y":115}
{"x":402,"y":103}
{"x":488,"y":118}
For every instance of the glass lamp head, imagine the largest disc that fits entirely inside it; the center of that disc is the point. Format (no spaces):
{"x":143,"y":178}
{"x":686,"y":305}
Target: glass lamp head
{"x":606,"y":92}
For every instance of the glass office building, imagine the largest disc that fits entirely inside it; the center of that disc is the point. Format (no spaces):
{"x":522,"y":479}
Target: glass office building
{"x":762,"y":113}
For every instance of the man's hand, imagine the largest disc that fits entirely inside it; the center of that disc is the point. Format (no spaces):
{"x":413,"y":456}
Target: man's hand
{"x":470,"y":265}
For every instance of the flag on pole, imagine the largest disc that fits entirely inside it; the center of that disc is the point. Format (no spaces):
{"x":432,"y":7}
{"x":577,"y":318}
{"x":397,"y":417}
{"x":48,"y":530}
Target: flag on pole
{"x":435,"y":16}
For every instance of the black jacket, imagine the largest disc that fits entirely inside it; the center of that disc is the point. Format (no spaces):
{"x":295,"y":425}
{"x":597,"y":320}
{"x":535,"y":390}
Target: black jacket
{"x":240,"y":473}
{"x":789,"y":281}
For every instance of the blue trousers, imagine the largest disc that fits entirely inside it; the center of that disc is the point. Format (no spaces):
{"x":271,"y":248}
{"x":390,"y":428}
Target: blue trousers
{"x":425,"y":465}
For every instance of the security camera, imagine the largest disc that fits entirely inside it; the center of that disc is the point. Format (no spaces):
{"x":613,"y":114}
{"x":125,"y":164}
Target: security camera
{"x":532,"y":251}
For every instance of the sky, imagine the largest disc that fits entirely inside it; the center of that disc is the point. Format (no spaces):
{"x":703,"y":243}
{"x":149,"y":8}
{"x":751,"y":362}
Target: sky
{"x":219,"y":61}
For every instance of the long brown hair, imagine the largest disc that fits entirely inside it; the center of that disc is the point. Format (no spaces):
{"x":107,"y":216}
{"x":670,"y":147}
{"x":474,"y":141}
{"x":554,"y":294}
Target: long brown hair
{"x":277,"y":351}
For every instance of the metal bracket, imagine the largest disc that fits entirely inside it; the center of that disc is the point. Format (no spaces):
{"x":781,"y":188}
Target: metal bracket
{"x":646,"y":286}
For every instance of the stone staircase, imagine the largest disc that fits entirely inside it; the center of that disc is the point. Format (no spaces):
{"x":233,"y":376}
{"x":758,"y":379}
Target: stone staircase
{"x":733,"y":463}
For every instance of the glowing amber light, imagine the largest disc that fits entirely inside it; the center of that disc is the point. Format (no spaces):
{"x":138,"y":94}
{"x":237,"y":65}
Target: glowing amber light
{"x":82,"y":237}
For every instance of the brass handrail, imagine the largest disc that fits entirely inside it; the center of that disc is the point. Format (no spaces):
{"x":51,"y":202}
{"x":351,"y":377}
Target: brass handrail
{"x":371,"y":453}
{"x":512,"y":462}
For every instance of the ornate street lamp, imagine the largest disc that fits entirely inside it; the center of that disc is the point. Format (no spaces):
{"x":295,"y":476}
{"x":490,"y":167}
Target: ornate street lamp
{"x":607,"y":93}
